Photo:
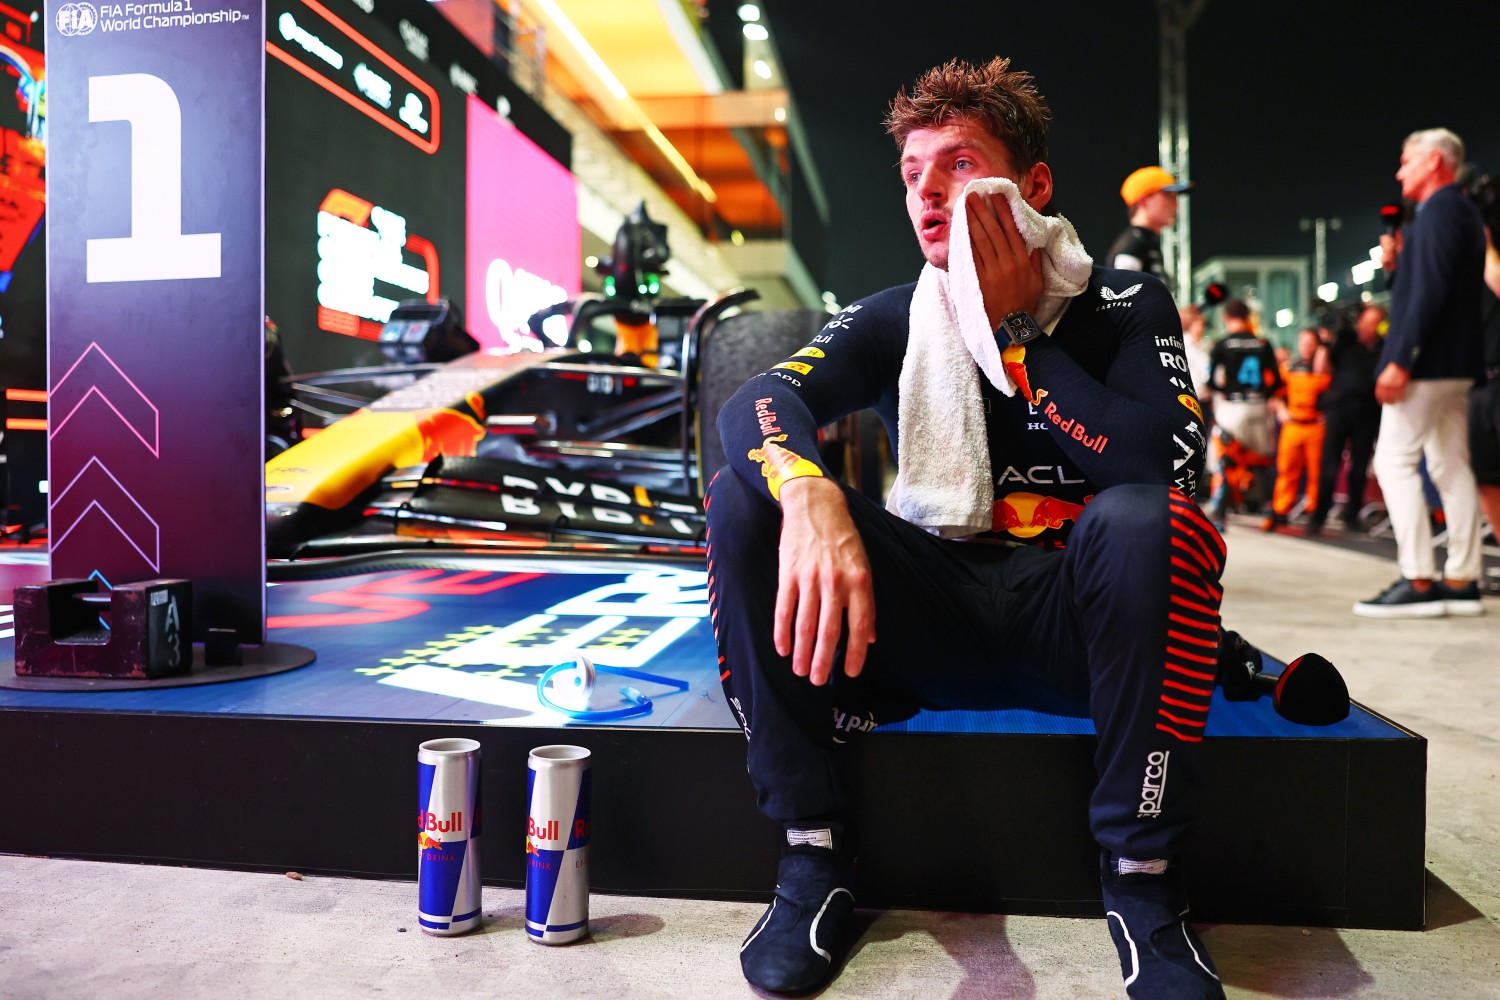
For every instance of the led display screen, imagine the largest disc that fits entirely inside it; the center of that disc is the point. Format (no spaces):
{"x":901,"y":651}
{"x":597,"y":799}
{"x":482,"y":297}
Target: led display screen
{"x":524,"y":243}
{"x":389,"y":179}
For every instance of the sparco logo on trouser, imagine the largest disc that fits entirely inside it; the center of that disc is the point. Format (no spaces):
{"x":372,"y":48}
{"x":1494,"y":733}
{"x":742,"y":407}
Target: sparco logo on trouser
{"x":1154,"y":785}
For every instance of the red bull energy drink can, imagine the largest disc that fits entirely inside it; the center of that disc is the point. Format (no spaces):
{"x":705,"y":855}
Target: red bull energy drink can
{"x":448,"y":836}
{"x":557,"y":844}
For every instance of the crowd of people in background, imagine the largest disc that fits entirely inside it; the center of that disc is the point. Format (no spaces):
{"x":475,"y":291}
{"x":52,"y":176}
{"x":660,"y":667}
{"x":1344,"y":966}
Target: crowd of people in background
{"x":1408,"y":389}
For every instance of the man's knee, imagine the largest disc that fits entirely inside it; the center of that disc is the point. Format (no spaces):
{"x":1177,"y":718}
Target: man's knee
{"x":1126,"y":510}
{"x":729,"y":500}
{"x":739,"y":518}
{"x":1136,"y":521}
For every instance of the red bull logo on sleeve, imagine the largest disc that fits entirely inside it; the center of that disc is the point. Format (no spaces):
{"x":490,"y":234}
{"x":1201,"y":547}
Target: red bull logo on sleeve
{"x":1014,"y":360}
{"x":766,"y":418}
{"x":1075,"y":430}
{"x":780,"y":464}
{"x":1026,"y":515}
{"x":1191,"y":402}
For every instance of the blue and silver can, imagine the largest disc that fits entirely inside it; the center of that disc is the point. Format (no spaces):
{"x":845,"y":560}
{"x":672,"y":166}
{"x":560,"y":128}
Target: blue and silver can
{"x":448,"y":836}
{"x":557,"y":844}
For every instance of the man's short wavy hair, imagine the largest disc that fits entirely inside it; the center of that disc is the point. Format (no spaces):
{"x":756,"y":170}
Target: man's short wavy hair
{"x":1003,"y":101}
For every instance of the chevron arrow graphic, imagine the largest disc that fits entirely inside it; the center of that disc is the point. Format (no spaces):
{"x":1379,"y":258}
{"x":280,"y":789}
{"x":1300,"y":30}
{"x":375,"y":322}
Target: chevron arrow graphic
{"x":96,"y":488}
{"x":96,"y":374}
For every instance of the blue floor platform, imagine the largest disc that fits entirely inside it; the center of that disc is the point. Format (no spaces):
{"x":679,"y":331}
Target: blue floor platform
{"x":306,"y":769}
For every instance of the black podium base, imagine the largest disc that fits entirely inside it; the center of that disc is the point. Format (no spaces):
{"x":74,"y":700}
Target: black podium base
{"x":256,"y":661}
{"x":1315,"y":832}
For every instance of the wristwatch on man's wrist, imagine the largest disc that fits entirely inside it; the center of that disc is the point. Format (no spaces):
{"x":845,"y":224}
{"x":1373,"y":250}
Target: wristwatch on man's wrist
{"x":1019,"y":328}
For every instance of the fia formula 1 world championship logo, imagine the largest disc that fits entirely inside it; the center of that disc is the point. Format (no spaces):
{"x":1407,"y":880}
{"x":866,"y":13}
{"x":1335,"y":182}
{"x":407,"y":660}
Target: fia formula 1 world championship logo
{"x":77,"y":18}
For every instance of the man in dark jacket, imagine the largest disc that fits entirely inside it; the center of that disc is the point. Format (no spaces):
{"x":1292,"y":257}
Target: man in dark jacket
{"x":1433,"y":354}
{"x":1352,"y":415}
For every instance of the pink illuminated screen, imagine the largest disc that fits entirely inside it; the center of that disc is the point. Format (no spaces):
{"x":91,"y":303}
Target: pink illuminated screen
{"x":524,"y":243}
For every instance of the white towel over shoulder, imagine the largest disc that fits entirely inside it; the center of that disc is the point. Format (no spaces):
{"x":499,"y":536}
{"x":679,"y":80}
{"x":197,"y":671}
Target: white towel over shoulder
{"x":945,"y":483}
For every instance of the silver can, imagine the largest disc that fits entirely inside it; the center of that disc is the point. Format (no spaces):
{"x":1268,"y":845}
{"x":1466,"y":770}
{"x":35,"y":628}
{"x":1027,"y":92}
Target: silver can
{"x":557,"y":844}
{"x":448,"y":886}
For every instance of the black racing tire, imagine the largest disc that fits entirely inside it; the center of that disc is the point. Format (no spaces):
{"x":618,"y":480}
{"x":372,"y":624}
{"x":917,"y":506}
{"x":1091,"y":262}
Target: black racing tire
{"x":733,"y":351}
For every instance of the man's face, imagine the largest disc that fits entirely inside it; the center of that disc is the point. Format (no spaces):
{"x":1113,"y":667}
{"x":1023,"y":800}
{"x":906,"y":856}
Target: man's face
{"x":1160,"y":209}
{"x":936,"y":163}
{"x":1367,"y":327}
{"x":1416,"y":174}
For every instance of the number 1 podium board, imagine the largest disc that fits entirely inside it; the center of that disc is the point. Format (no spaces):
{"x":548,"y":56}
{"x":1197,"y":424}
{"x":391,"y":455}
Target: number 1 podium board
{"x":156,"y":300}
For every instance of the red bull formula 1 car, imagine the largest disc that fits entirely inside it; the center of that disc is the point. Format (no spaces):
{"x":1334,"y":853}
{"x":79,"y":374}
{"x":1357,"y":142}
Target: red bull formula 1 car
{"x":601,"y":440}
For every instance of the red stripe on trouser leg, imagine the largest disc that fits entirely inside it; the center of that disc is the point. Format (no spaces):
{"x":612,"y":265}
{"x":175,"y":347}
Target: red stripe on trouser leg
{"x":1194,"y":640}
{"x":1202,"y":609}
{"x":1193,"y":537}
{"x":1204,"y":591}
{"x":1178,"y":685}
{"x":1199,"y":724}
{"x":1194,"y":657}
{"x":1197,"y":623}
{"x":1203,"y":564}
{"x":1192,"y":570}
{"x":1193,"y":606}
{"x":1200,"y":675}
{"x":1202,"y":523}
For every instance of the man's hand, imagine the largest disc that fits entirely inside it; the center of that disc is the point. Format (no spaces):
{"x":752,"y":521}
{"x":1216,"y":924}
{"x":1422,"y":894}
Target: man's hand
{"x":824,"y":576}
{"x":1010,"y":275}
{"x":1390,"y":387}
{"x":1390,"y":249}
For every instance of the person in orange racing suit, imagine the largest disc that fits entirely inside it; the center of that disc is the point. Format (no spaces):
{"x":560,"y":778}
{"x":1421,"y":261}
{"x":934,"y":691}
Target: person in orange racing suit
{"x":1299,"y":449}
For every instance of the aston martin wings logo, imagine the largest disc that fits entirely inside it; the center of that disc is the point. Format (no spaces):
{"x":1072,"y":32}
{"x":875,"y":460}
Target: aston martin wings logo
{"x":1110,"y":295}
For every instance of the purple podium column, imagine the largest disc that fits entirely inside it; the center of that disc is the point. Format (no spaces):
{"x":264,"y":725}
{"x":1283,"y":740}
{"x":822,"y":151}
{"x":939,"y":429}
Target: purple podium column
{"x":155,"y":303}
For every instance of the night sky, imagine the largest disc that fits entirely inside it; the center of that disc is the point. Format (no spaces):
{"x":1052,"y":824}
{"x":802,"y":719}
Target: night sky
{"x":1297,"y":108}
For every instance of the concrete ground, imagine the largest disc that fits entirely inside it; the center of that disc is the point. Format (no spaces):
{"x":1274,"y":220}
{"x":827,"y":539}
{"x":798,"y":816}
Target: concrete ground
{"x":115,"y":932}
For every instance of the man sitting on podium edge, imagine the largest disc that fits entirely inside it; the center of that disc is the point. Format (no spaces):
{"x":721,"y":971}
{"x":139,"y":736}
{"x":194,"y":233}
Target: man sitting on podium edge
{"x":1040,"y":539}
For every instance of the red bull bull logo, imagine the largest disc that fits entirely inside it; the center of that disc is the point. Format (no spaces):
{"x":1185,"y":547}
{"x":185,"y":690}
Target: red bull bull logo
{"x":1191,"y":402}
{"x":1025,"y":515}
{"x":448,"y":432}
{"x":1014,"y":360}
{"x":778,"y":464}
{"x":426,"y":843}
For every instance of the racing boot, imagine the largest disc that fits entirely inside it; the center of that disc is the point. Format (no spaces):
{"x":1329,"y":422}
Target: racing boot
{"x":1161,"y":957}
{"x":801,"y":941}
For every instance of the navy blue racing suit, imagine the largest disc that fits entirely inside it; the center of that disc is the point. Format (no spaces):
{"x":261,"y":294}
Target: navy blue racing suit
{"x":1096,"y":590}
